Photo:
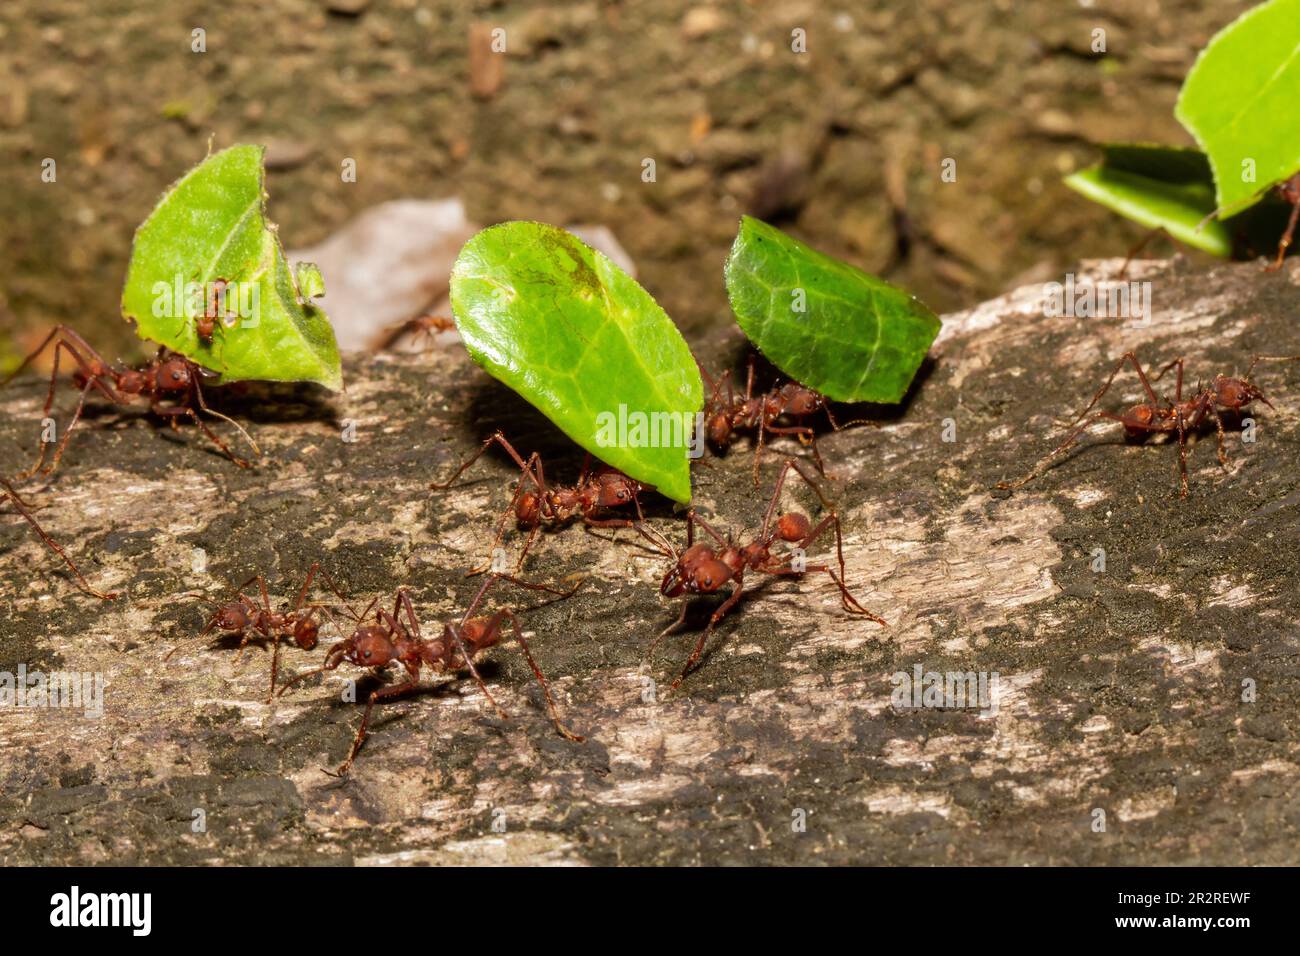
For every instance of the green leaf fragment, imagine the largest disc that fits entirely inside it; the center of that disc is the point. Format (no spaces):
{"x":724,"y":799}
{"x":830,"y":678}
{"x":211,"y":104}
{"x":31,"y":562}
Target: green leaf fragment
{"x":826,"y":324}
{"x":212,"y":226}
{"x":1160,"y":187}
{"x":1239,"y":102}
{"x":1172,"y":188}
{"x":578,"y":338}
{"x":311,"y":284}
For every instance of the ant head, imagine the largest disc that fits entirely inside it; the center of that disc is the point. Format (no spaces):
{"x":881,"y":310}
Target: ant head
{"x":617,"y":489}
{"x":719,"y":429}
{"x":1235,"y":393}
{"x":306,"y":633}
{"x":799,"y":400}
{"x":173,"y":375}
{"x":370,"y":646}
{"x":528,"y":510}
{"x":793,"y":527}
{"x":697,"y":571}
{"x":231,"y":617}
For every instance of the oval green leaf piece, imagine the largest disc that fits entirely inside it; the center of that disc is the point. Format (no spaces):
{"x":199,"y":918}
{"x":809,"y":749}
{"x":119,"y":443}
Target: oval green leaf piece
{"x":826,"y":324}
{"x":207,"y":248}
{"x":1239,"y":102}
{"x":578,"y":338}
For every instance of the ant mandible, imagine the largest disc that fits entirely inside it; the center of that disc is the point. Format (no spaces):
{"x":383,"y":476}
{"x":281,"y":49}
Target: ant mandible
{"x":1179,"y":417}
{"x":10,"y":494}
{"x":725,"y":416}
{"x":170,"y":382}
{"x":245,"y":617}
{"x":556,"y":505}
{"x":393,"y":640}
{"x":704,"y":568}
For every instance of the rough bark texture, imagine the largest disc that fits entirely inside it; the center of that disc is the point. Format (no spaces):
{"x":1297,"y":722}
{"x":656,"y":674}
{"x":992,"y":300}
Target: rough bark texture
{"x":1121,"y":690}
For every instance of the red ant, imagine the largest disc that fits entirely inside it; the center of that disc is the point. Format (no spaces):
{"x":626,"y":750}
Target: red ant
{"x":1178,"y":417}
{"x":205,"y":325}
{"x":10,"y":494}
{"x":723,"y":417}
{"x":391,"y":640}
{"x":705,"y":568}
{"x":422,"y":328}
{"x":170,"y":382}
{"x":247,"y":618}
{"x":594,"y":493}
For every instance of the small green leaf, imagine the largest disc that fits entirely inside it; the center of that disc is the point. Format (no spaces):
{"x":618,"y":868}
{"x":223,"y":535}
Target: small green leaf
{"x":1239,"y":102}
{"x":826,"y":324}
{"x":1160,"y":187}
{"x":1172,"y":188}
{"x":311,"y":284}
{"x":575,"y":335}
{"x":212,"y":225}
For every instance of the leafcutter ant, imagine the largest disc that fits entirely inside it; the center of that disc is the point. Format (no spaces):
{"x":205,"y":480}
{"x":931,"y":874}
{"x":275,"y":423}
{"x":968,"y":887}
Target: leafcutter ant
{"x":422,"y":328}
{"x":704,"y":569}
{"x":10,"y":494}
{"x":396,"y":638}
{"x":727,"y":414}
{"x":170,"y":382}
{"x":535,"y":504}
{"x":244,"y":616}
{"x":1180,"y":417}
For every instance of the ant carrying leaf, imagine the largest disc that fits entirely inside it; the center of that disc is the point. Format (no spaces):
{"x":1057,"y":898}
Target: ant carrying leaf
{"x":536,"y":504}
{"x":170,"y":383}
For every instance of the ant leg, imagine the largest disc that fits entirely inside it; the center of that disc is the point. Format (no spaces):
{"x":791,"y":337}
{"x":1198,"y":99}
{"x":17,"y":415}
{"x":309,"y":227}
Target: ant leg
{"x":1142,"y":244}
{"x":499,"y":438}
{"x":808,"y":438}
{"x":1285,"y":241}
{"x":40,"y":465}
{"x":1129,"y":356}
{"x":1218,"y":427}
{"x":1060,"y":449}
{"x":721,"y":612}
{"x":173,"y":412}
{"x":12,"y":496}
{"x":847,"y":600}
{"x":468,"y":658}
{"x":275,"y":636}
{"x":1178,"y":363}
{"x":681,"y":619}
{"x":384,"y":693}
{"x":529,"y":585}
{"x":541,"y":679}
{"x":1180,"y":425}
{"x":694,"y":519}
{"x":203,"y":407}
{"x":332,"y":660}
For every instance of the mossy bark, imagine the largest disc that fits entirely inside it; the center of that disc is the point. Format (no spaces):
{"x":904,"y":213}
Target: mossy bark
{"x":1123,"y":690}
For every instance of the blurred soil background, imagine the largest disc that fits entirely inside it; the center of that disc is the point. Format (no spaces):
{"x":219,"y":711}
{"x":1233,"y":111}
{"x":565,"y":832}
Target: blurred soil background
{"x":841,"y":145}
